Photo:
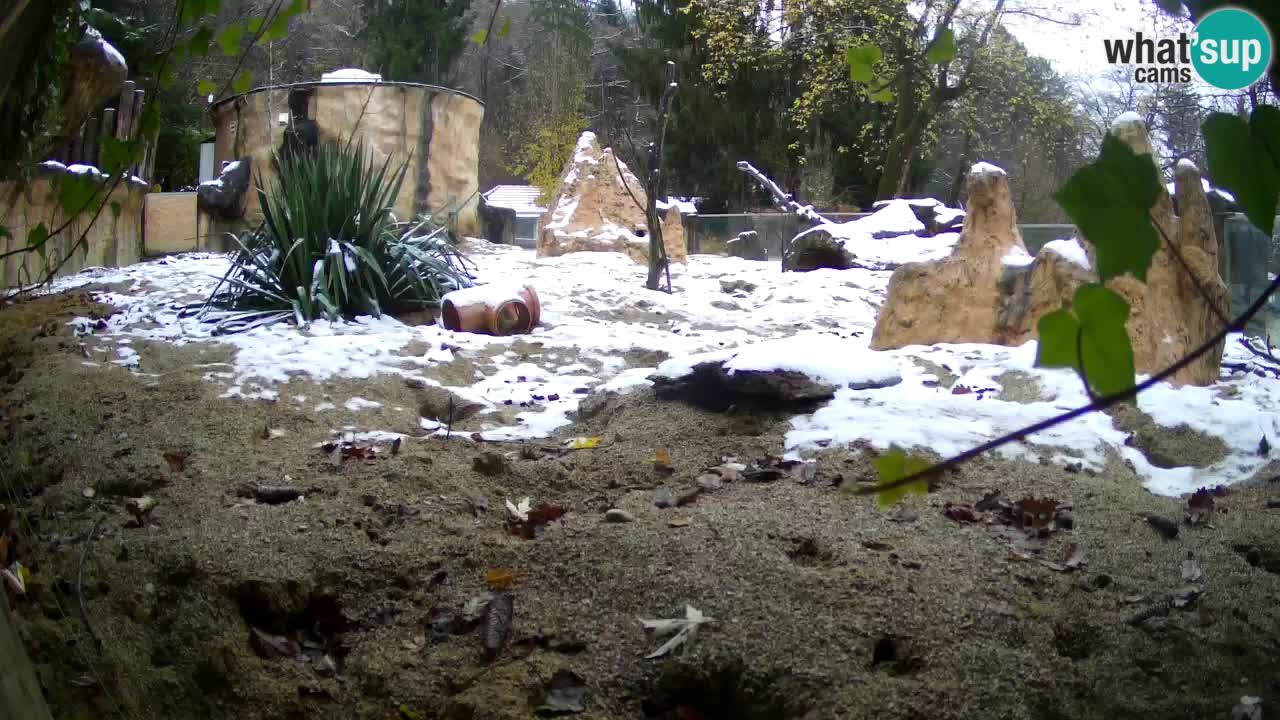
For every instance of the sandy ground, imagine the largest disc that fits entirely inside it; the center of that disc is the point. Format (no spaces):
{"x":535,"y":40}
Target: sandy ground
{"x":822,"y":605}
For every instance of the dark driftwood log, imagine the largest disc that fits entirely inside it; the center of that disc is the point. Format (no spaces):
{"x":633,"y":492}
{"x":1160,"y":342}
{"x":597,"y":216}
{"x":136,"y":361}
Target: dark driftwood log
{"x":816,"y":249}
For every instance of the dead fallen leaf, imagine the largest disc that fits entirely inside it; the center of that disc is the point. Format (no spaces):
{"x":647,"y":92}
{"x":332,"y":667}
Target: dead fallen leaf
{"x":534,"y":519}
{"x":177,"y":460}
{"x":1200,"y":507}
{"x":683,"y":628}
{"x":270,"y":646}
{"x":1036,"y":514}
{"x":499,"y":579}
{"x":960,"y":512}
{"x":1191,"y":571}
{"x":679,"y":522}
{"x":497,"y":625}
{"x":140,"y":508}
{"x":662,"y":462}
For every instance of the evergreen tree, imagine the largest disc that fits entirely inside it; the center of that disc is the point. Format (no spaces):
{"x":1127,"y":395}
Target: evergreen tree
{"x":416,"y":40}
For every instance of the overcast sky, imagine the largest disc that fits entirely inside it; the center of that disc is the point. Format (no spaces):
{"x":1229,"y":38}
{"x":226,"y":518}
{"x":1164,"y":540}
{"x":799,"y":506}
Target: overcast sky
{"x":1078,"y":51}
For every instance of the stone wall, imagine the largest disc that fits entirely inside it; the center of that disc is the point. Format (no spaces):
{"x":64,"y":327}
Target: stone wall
{"x":435,"y":129}
{"x":170,"y":224}
{"x":112,"y":240}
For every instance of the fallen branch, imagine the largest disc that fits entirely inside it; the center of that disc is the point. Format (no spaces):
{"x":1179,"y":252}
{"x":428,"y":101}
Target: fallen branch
{"x":782,"y":200}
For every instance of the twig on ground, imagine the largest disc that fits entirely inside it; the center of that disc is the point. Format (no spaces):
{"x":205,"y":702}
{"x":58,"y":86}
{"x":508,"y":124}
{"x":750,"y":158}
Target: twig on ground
{"x":84,"y":611}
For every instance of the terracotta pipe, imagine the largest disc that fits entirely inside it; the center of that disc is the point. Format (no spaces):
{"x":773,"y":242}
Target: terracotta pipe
{"x":491,"y":310}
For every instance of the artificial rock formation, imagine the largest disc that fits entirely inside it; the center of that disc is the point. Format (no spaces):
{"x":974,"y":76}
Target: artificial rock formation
{"x":594,"y":212}
{"x":958,"y":298}
{"x":1169,"y":315}
{"x":95,"y":72}
{"x":989,"y":290}
{"x":435,"y":130}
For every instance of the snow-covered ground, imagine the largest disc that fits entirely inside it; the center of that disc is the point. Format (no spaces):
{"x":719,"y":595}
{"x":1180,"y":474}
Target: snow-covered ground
{"x":596,"y":312}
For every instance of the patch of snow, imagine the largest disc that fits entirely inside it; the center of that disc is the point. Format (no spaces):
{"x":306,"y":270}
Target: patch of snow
{"x":89,"y":170}
{"x":53,"y":165}
{"x":1069,"y":249}
{"x":1209,"y":189}
{"x":1017,"y":257}
{"x":357,"y":404}
{"x":985,"y":168}
{"x":685,"y":206}
{"x":350,"y":75}
{"x":826,"y":358}
{"x":896,"y":216}
{"x":1185,"y":165}
{"x":1126,"y":119}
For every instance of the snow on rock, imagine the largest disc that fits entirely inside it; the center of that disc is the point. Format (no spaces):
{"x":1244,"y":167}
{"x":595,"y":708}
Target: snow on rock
{"x":1127,"y":119}
{"x":1017,"y":257}
{"x":1069,"y":249}
{"x":985,"y":168}
{"x":598,"y":208}
{"x":895,"y":218}
{"x":844,"y":362}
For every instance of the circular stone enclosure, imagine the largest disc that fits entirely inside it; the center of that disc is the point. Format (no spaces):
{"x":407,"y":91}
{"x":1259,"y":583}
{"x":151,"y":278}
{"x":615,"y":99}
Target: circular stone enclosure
{"x":435,"y":129}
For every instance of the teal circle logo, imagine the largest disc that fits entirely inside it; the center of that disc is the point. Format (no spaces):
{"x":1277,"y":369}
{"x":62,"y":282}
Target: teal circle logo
{"x":1231,"y":48}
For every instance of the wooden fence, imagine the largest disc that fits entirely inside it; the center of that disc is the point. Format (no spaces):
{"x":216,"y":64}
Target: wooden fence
{"x":120,"y":118}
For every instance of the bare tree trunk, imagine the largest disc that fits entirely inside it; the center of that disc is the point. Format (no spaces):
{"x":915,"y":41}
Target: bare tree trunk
{"x":654,"y":186}
{"x":957,"y":181}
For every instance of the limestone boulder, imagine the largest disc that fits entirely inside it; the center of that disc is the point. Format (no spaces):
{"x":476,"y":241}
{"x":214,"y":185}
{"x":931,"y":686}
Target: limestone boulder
{"x":599,"y":209}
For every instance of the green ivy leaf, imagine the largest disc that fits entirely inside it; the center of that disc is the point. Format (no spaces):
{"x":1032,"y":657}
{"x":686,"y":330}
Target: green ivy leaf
{"x":895,"y":465}
{"x":1244,"y":158}
{"x":479,"y":36}
{"x":1092,"y":329}
{"x":229,"y":40}
{"x":943,"y":47}
{"x":861,"y":59}
{"x":279,"y":28}
{"x":1110,"y":201}
{"x":242,"y":82}
{"x":193,"y":10}
{"x":198,"y":45}
{"x":206,"y":87}
{"x":114,"y":155}
{"x":883,"y":96}
{"x":254,"y":24}
{"x":37,"y":237}
{"x":75,"y":192}
{"x":505,"y":29}
{"x":4,"y":232}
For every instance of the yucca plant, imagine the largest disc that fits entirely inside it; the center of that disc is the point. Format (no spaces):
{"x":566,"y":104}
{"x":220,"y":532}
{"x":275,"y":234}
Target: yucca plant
{"x":330,"y":246}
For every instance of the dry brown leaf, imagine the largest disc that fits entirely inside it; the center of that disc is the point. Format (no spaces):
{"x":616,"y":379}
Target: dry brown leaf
{"x":499,"y":579}
{"x":177,"y":460}
{"x":960,"y":512}
{"x":679,"y":522}
{"x":1036,"y":513}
